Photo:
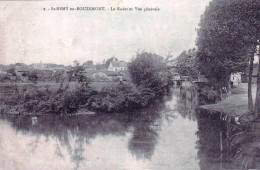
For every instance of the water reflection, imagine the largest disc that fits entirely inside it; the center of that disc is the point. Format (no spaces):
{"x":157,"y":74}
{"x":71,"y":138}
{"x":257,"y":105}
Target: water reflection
{"x":212,"y":144}
{"x":74,"y":132}
{"x":167,"y":135}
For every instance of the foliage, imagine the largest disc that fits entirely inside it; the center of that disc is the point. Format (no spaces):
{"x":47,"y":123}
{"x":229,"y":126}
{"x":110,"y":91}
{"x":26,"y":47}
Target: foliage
{"x":120,"y":98}
{"x":11,"y":70}
{"x":88,"y":63}
{"x":123,"y":97}
{"x":150,"y":71}
{"x":33,"y":76}
{"x":227,"y":36}
{"x":101,"y":66}
{"x":4,"y":77}
{"x":62,"y":101}
{"x":187,"y":64}
{"x":246,"y":141}
{"x":207,"y":95}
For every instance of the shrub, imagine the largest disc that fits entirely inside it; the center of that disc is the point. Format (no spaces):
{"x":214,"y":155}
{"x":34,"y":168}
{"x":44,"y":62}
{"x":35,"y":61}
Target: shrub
{"x":149,"y":71}
{"x":124,"y":97}
{"x":207,"y":95}
{"x":63,"y":100}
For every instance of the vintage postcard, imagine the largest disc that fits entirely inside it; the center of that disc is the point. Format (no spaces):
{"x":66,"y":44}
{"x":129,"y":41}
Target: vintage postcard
{"x":129,"y":84}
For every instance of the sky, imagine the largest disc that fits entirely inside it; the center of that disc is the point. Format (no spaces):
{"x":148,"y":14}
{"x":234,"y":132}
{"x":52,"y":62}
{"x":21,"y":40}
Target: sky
{"x":28,"y":34}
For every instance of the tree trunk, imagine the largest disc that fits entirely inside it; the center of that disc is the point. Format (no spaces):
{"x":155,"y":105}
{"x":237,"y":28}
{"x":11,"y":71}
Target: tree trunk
{"x":250,"y":98}
{"x":257,"y":100}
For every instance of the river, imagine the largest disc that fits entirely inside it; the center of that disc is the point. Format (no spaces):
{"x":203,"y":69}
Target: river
{"x":168,"y":135}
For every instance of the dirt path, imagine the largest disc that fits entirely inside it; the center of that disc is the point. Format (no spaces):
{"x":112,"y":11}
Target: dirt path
{"x":235,"y":104}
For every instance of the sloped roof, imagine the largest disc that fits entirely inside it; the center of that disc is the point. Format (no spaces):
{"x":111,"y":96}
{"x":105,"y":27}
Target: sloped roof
{"x":42,"y":69}
{"x":118,"y":64}
{"x":22,"y":68}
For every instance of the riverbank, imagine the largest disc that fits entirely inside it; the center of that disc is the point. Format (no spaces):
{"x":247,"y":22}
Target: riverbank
{"x":235,"y":105}
{"x":245,"y":137}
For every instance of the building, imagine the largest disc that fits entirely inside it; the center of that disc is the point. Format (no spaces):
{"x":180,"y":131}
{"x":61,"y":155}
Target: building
{"x":114,"y":76}
{"x":22,"y":70}
{"x":98,"y":75}
{"x":117,"y":66}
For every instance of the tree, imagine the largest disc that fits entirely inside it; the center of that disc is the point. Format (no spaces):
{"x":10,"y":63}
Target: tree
{"x":88,"y":63}
{"x":227,"y":38}
{"x":187,"y":64}
{"x":150,"y":71}
{"x":11,"y":70}
{"x":33,"y":76}
{"x":75,"y":71}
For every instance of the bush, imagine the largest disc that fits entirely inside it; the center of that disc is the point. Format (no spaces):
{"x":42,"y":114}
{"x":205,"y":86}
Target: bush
{"x":61,"y":101}
{"x":149,"y":71}
{"x":124,"y":97}
{"x":151,"y":81}
{"x":207,"y":95}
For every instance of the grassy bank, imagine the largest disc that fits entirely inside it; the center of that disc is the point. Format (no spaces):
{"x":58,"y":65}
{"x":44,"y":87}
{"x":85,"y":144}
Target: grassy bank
{"x":234,"y":105}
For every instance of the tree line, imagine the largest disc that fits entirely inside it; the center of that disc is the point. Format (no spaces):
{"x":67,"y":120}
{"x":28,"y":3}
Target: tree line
{"x":227,"y":41}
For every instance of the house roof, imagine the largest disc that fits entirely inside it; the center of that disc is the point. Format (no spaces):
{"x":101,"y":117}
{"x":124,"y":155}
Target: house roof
{"x":22,"y":68}
{"x":118,"y":64}
{"x":42,"y":69}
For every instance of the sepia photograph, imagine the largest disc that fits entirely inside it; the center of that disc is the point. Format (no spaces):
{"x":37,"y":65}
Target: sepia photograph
{"x":129,"y":85}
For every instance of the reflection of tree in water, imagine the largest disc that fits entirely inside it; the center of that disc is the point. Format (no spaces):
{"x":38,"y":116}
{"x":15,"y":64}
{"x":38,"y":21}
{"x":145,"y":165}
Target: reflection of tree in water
{"x":187,"y":103}
{"x":211,"y":133}
{"x":145,"y":137}
{"x":82,"y":128}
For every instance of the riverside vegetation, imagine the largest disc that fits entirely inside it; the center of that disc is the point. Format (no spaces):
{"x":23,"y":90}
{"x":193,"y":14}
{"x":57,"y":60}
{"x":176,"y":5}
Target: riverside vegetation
{"x":150,"y":81}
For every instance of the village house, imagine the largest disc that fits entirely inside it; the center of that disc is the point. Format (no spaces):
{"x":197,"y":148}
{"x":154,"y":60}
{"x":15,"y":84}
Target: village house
{"x":114,"y":76}
{"x":22,"y":70}
{"x":97,"y":75}
{"x":117,"y":66}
